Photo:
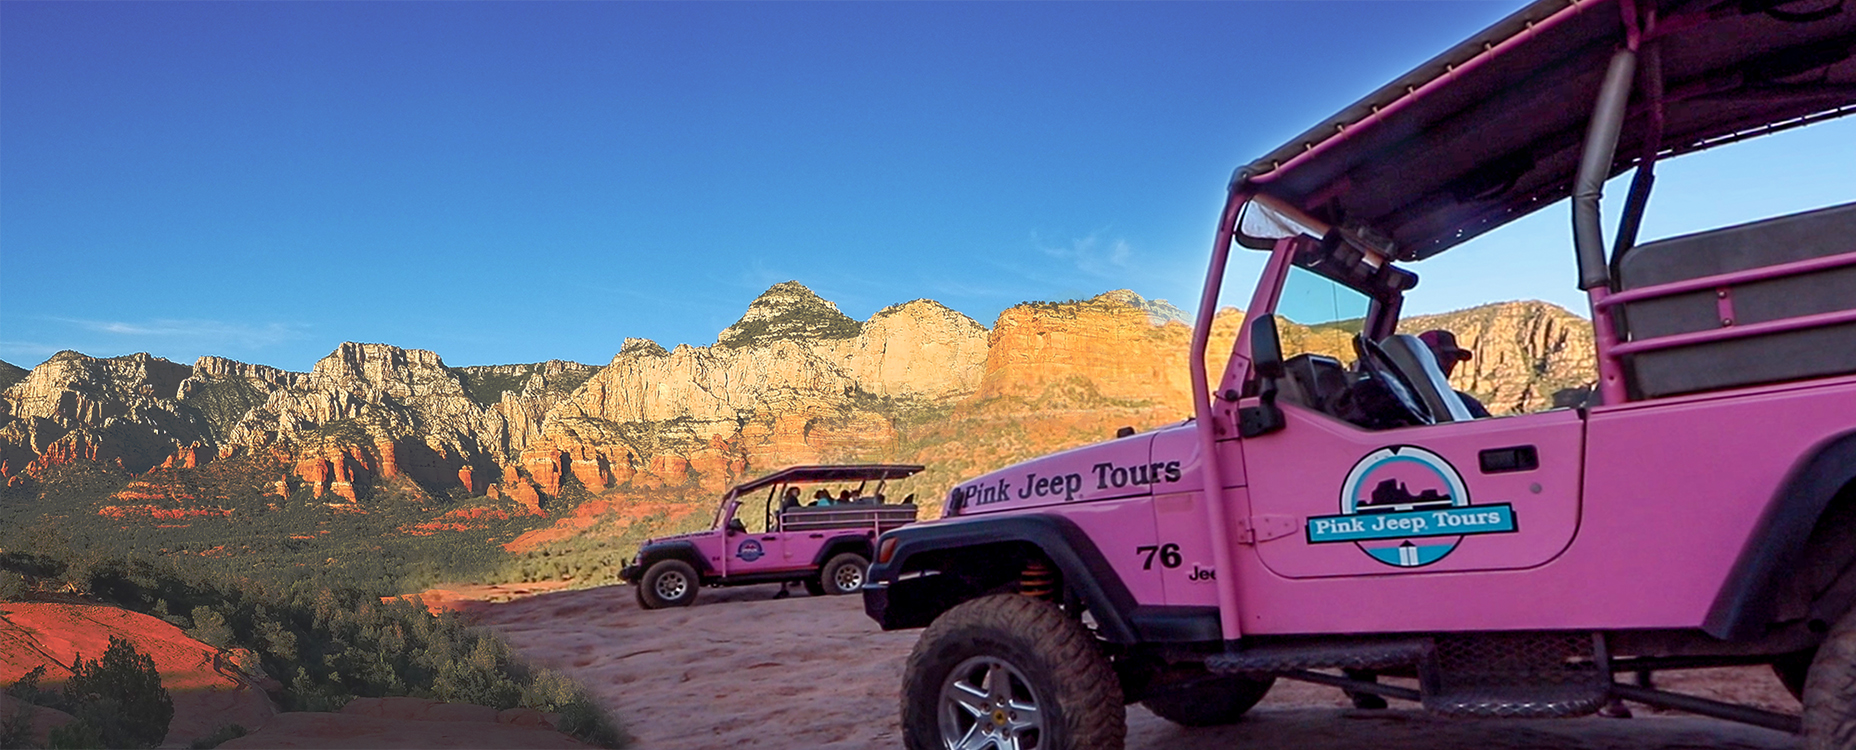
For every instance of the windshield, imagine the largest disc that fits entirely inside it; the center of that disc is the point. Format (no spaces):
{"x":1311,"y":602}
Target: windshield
{"x":1313,"y":300}
{"x":1317,"y":315}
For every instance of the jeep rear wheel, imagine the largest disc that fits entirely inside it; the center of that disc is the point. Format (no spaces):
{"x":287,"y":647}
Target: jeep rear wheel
{"x":1830,"y":690}
{"x":843,"y":574}
{"x":1009,"y":671}
{"x":668,"y":583}
{"x":1211,"y":703}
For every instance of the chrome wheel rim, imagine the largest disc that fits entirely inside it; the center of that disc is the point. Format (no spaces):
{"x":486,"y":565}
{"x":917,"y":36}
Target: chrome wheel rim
{"x":849,"y":577}
{"x":671,"y":585}
{"x":987,"y":704}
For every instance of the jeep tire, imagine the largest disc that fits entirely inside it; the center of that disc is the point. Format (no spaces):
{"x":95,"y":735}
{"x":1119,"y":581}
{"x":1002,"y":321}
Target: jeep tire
{"x":1830,"y":690}
{"x":843,"y":574}
{"x":668,"y":583}
{"x":1210,"y":703}
{"x":1015,"y":670}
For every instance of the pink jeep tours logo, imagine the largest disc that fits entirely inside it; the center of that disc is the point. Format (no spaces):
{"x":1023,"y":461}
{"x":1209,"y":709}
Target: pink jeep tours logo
{"x":749,"y":550}
{"x":1407,"y":507}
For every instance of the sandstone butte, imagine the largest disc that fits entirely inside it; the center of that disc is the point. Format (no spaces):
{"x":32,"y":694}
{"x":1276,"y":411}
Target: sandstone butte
{"x":794,"y":381}
{"x":211,"y":687}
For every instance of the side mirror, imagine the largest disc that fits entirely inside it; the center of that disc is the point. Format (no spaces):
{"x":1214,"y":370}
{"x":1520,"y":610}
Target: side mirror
{"x":1266,"y":356}
{"x":1265,"y":347}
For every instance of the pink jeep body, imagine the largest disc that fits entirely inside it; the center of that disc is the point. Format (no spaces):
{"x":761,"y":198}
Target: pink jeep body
{"x":1698,"y":510}
{"x":763,"y":538}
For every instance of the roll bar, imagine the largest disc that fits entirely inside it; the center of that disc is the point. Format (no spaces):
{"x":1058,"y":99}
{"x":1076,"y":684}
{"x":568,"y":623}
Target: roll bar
{"x":1601,"y":142}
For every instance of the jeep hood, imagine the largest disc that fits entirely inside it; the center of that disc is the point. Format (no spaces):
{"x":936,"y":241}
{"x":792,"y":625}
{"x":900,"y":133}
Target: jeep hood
{"x":1123,"y":467}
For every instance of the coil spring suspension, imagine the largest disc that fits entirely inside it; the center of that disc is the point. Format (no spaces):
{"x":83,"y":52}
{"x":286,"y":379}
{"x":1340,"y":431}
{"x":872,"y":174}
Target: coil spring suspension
{"x":1037,"y":581}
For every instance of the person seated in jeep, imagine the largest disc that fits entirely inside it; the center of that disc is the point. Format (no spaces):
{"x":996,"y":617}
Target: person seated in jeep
{"x":1443,"y":346}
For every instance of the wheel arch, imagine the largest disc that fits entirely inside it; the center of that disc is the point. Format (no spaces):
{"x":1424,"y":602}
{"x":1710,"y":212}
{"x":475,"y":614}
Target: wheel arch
{"x":937,"y":566}
{"x":1818,"y":492}
{"x":859,"y":543}
{"x":679,"y":550}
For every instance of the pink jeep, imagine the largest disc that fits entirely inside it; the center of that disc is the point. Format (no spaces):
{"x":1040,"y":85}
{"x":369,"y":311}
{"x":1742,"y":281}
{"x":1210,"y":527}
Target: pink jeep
{"x":1332,"y":522}
{"x":787,"y":535}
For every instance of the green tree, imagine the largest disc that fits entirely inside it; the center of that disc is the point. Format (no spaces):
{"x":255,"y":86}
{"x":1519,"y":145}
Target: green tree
{"x":120,"y":698}
{"x":209,"y":627}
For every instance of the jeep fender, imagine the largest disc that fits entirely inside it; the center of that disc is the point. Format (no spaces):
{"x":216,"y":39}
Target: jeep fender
{"x":1749,"y":600}
{"x":946,"y":548}
{"x":681,"y":550}
{"x":859,"y":543}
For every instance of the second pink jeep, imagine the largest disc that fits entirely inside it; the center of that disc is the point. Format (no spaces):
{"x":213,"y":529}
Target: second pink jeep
{"x":789,"y":533}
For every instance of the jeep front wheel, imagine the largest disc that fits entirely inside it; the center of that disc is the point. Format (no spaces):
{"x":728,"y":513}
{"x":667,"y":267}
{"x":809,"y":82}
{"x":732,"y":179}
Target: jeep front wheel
{"x":668,"y":583}
{"x":1830,"y":690}
{"x":1009,"y":671}
{"x":1213,"y":702}
{"x":843,"y":574}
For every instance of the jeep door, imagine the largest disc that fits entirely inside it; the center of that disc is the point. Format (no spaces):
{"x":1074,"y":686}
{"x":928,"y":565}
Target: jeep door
{"x":1484,"y":494}
{"x":752,"y":548}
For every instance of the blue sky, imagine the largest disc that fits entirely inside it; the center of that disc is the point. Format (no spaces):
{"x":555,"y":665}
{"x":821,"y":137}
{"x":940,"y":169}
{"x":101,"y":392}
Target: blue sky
{"x":515,"y":182}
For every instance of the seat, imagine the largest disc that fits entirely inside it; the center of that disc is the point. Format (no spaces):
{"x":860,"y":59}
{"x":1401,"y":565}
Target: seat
{"x":1780,"y":355}
{"x":1314,"y":381}
{"x":1415,"y":361}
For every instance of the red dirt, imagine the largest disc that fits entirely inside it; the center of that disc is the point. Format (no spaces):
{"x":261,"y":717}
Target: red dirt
{"x":207,"y":691}
{"x":474,"y":598}
{"x":613,"y":512}
{"x":152,"y":511}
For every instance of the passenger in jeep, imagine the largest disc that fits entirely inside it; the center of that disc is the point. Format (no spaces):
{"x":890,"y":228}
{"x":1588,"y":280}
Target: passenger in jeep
{"x":1443,"y":346}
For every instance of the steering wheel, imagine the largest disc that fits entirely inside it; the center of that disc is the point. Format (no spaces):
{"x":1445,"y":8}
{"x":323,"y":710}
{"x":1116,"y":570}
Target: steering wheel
{"x":1379,"y":366}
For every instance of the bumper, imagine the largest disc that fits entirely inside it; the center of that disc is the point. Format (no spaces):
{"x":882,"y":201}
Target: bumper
{"x":630,"y":573}
{"x":876,"y":601}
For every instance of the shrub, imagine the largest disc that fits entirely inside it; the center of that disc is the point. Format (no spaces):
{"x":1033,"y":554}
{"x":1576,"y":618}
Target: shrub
{"x":77,"y":735}
{"x":210,"y":628}
{"x":16,"y":730}
{"x":12,"y":586}
{"x":118,"y":698}
{"x":27,"y":689}
{"x":219,"y":736}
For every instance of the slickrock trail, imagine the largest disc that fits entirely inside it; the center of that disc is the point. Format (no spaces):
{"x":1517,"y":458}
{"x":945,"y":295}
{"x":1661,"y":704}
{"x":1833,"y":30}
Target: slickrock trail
{"x":742,"y":670}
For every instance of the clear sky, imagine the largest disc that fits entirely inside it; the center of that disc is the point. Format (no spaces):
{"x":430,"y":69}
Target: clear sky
{"x":515,"y":182}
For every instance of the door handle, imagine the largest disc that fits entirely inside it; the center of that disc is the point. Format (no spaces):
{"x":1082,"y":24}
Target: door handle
{"x":818,"y":536}
{"x":1503,"y":460}
{"x":769,"y":538}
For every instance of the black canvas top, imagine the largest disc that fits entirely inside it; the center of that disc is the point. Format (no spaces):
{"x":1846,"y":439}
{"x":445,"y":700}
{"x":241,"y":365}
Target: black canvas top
{"x":1491,"y":130}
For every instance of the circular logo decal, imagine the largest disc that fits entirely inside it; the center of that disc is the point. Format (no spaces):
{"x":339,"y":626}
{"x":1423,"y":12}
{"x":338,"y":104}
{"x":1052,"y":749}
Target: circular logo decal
{"x":1399,"y":480}
{"x":1407,"y":507}
{"x":749,"y":550}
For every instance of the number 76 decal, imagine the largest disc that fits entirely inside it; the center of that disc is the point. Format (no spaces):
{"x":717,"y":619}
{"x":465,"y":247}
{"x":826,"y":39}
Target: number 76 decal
{"x":1169,"y":555}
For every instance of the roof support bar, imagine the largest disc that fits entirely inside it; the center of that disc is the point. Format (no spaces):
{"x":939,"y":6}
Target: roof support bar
{"x":1601,"y":142}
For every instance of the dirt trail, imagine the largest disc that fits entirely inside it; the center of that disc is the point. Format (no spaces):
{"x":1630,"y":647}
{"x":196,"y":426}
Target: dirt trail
{"x":741,"y":670}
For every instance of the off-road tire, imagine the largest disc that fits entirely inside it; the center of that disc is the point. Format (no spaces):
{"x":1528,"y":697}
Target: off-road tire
{"x":669,"y":594}
{"x":1076,"y":691}
{"x":844,"y":573}
{"x":814,"y":587}
{"x":1830,"y":691}
{"x":1211,"y":703}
